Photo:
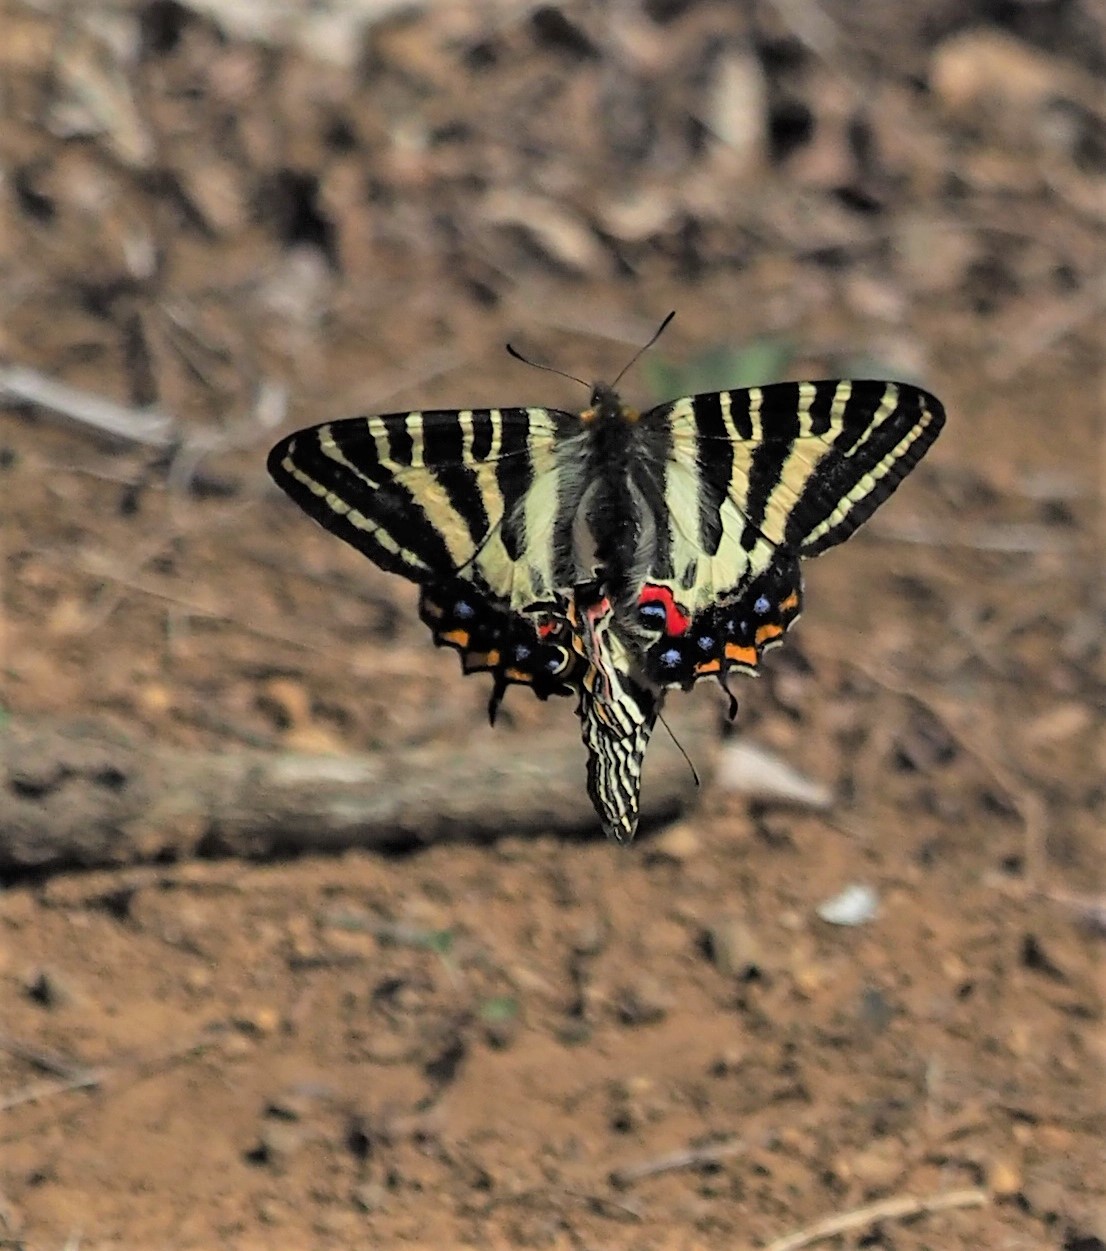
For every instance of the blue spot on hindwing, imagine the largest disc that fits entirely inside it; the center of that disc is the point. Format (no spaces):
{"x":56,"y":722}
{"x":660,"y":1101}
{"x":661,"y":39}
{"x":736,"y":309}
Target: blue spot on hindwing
{"x":762,"y":605}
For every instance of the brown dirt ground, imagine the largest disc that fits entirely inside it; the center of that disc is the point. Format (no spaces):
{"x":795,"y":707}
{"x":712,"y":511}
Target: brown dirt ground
{"x":469,"y":1046}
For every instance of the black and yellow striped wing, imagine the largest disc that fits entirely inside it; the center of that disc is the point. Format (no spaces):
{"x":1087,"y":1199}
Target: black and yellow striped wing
{"x":428,"y":494}
{"x":757,"y":479}
{"x":460,"y":502}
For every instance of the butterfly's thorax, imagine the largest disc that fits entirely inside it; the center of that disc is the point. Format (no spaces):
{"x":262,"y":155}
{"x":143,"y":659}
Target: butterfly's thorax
{"x":615,"y":533}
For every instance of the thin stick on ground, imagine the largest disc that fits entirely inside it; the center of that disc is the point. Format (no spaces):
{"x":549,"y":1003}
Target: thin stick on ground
{"x":692,"y":1157}
{"x":39,"y":1091}
{"x":898,"y":1207}
{"x":133,"y":425}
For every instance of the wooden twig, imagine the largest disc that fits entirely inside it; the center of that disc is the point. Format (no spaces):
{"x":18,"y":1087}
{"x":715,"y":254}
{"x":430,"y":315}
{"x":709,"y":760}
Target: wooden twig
{"x":146,"y":426}
{"x":38,"y":1091}
{"x":899,"y":1207}
{"x":99,"y":1076}
{"x":87,"y":794}
{"x":46,"y":1061}
{"x":691,"y":1157}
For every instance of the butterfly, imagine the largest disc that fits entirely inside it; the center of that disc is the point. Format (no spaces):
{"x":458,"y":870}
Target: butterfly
{"x":611,"y":554}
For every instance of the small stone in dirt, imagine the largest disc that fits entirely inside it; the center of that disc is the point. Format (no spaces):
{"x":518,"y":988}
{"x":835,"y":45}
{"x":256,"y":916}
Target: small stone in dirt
{"x":728,"y":1061}
{"x":1004,"y":1178}
{"x":678,"y":843}
{"x":575,"y":1032}
{"x":590,"y":937}
{"x":276,"y":1145}
{"x":875,"y":1010}
{"x":878,"y":1165}
{"x":50,"y":989}
{"x":341,"y":1223}
{"x":296,"y":1104}
{"x":370,"y":1197}
{"x":271,"y":1212}
{"x":643,"y":1003}
{"x":261,"y":1021}
{"x":733,"y":947}
{"x":855,"y":905}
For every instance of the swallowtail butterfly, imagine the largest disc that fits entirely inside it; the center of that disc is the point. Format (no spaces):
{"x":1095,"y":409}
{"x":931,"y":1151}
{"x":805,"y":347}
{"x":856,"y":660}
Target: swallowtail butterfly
{"x":612,"y":554}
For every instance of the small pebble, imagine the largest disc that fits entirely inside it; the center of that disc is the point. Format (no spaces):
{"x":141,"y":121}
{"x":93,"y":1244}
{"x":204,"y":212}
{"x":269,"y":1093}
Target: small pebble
{"x":1004,"y":1178}
{"x":678,"y":844}
{"x":278,"y":1142}
{"x":643,"y":1003}
{"x":733,"y":947}
{"x":370,"y":1197}
{"x":855,"y":905}
{"x":50,"y":989}
{"x":878,"y":1165}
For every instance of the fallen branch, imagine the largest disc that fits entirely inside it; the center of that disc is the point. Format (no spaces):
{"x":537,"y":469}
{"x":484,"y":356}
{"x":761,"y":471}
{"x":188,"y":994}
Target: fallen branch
{"x":898,"y":1207}
{"x":85,"y":794}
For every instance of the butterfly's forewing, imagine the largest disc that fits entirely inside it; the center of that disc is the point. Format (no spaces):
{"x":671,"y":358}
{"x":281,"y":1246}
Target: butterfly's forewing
{"x":756,"y":479}
{"x":461,"y":502}
{"x":429,"y":494}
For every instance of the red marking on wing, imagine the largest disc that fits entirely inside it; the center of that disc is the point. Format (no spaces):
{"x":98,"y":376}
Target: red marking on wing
{"x":675,"y":620}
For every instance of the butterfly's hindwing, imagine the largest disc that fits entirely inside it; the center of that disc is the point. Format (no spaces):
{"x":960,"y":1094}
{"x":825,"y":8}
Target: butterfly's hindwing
{"x":732,"y":634}
{"x":616,"y":730}
{"x":516,"y":649}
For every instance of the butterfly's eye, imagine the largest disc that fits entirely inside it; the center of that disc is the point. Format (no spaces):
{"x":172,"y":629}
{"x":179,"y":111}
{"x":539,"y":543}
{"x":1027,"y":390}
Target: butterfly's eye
{"x":652,"y":615}
{"x":762,"y":605}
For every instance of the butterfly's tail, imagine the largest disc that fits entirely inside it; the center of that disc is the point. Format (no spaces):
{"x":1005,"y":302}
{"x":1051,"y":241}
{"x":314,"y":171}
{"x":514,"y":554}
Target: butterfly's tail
{"x":616,"y":733}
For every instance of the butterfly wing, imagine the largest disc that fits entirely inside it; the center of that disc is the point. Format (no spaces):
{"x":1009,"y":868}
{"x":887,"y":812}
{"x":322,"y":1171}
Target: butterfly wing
{"x":462,"y":502}
{"x":756,"y":479}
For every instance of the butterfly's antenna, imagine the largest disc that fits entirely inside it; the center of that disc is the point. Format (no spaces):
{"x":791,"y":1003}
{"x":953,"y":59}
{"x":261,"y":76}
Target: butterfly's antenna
{"x":552,"y":369}
{"x":660,"y":715}
{"x":639,"y":354}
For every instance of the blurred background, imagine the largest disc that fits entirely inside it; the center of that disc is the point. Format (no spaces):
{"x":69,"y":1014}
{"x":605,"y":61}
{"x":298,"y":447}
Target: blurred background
{"x":223,"y":219}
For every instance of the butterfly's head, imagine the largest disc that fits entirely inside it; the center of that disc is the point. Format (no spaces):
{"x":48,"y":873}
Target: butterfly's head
{"x":606,"y":406}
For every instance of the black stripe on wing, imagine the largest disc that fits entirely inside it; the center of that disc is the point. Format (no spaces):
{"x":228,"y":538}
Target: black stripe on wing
{"x":715,"y":460}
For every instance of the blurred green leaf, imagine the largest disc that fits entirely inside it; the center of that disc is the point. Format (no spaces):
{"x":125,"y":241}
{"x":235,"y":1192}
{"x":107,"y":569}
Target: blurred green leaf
{"x":498,"y":1009}
{"x":720,"y":368}
{"x":440,"y":941}
{"x":867,"y":366}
